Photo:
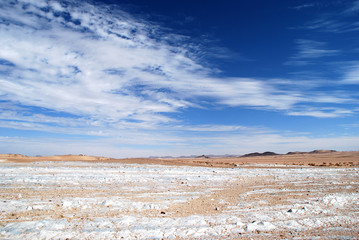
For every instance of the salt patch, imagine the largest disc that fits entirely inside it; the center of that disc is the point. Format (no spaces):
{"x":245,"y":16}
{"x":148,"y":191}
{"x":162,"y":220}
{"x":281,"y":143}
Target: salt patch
{"x":39,"y":207}
{"x":67,"y":204}
{"x":108,"y":203}
{"x":340,"y":200}
{"x":259,"y":226}
{"x":155,"y":188}
{"x":293,"y":224}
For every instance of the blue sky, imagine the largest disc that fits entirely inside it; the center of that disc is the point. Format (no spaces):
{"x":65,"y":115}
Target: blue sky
{"x":154,"y":78}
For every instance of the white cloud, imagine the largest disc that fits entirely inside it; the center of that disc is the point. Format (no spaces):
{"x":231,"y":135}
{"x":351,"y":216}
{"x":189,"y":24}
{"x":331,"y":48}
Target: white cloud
{"x":352,"y":74}
{"x":342,"y":20}
{"x":323,"y":112}
{"x":303,"y":6}
{"x":93,"y":62}
{"x":309,"y":50}
{"x":64,"y":70}
{"x":212,"y":128}
{"x":109,"y":72}
{"x":353,"y":8}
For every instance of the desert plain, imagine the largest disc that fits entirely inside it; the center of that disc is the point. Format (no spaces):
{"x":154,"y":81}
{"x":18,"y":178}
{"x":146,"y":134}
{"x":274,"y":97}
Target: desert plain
{"x":312,"y":195}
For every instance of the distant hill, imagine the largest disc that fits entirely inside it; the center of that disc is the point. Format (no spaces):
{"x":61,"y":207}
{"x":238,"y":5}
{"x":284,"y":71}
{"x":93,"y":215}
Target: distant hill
{"x":315,"y":151}
{"x":256,"y":154}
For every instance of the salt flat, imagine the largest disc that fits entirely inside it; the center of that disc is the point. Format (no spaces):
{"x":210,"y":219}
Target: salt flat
{"x":92,"y":200}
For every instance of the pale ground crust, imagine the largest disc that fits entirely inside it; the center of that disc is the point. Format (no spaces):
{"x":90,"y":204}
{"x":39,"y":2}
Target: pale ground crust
{"x":245,"y":197}
{"x":322,"y":158}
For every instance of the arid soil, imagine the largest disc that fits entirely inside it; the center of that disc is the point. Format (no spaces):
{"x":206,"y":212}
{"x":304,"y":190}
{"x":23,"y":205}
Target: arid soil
{"x":318,"y":158}
{"x":296,"y":196}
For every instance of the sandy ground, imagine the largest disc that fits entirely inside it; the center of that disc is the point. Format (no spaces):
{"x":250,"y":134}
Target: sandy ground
{"x":301,"y":196}
{"x":323,"y":158}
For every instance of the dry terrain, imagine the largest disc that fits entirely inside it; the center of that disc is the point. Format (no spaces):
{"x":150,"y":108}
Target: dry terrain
{"x":294,"y":196}
{"x":315,"y":158}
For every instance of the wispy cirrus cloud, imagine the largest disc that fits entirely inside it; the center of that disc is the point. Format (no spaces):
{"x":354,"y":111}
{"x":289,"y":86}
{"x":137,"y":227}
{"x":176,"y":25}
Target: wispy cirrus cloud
{"x":70,"y":60}
{"x":303,"y":6}
{"x":313,"y":49}
{"x":327,"y":24}
{"x":309,"y":50}
{"x":93,"y":63}
{"x":343,"y":20}
{"x":322,"y":112}
{"x":351,"y":73}
{"x":353,"y":8}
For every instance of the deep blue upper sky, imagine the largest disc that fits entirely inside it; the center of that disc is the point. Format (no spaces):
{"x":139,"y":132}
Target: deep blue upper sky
{"x":259,"y":36}
{"x":140,"y":78}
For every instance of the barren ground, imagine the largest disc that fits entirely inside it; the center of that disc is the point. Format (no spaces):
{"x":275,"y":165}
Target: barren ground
{"x":301,"y":196}
{"x":326,"y":158}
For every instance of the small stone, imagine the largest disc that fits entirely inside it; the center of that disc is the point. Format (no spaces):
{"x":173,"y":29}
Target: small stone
{"x":163,"y":212}
{"x":290,"y":210}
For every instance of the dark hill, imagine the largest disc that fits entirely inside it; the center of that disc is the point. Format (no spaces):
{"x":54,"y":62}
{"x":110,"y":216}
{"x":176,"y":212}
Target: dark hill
{"x":256,"y":154}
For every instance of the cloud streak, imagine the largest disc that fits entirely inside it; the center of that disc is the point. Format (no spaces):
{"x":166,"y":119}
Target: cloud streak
{"x":340,"y":21}
{"x":308,"y":51}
